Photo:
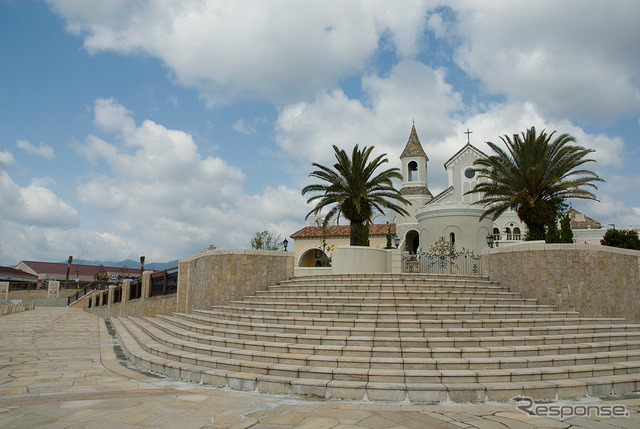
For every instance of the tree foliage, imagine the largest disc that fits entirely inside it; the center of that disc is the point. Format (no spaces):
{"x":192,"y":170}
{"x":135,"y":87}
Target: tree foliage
{"x":534,"y":177}
{"x":352,"y":188}
{"x":566,"y":235}
{"x":553,"y":233}
{"x":101,"y":276}
{"x":626,"y":239}
{"x":266,"y":240}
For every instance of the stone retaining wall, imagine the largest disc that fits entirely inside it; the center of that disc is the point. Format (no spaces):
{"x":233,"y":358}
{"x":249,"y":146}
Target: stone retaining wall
{"x":597,"y":281}
{"x":209,"y":278}
{"x":16,"y":308}
{"x":218,"y":276}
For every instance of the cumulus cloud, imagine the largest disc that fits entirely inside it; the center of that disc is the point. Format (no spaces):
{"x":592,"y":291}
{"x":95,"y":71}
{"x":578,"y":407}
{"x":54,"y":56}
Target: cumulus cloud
{"x":163,"y":194}
{"x":415,"y":90}
{"x":411,"y":91}
{"x":55,"y":244}
{"x":551,"y":53}
{"x":42,"y":150}
{"x":34,"y":204}
{"x":266,"y":50}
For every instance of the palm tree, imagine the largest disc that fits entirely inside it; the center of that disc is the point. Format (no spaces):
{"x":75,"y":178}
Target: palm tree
{"x":353,"y":191}
{"x":66,"y":283}
{"x":534,"y":177}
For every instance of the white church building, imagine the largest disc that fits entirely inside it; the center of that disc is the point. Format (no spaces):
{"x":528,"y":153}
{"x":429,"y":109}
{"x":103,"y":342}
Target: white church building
{"x":449,"y":216}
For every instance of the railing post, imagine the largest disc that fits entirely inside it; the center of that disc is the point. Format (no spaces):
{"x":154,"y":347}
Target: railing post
{"x":126,"y":291}
{"x":110,"y":297}
{"x":146,"y":285}
{"x":164,"y":282}
{"x":53,"y":289}
{"x":4,"y":290}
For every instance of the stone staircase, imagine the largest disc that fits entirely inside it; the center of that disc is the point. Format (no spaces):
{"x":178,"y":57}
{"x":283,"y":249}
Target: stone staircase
{"x":417,"y":338}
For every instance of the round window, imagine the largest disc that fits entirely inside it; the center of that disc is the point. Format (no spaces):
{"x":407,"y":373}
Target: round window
{"x":469,"y":173}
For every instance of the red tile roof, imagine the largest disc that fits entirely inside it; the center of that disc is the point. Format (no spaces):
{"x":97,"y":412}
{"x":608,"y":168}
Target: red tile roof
{"x":76,"y":269}
{"x":580,"y":221}
{"x":11,"y":272}
{"x":341,"y":231}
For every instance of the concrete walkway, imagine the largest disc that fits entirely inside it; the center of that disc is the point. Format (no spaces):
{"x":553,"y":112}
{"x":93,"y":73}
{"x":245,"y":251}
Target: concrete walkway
{"x":59,"y":369}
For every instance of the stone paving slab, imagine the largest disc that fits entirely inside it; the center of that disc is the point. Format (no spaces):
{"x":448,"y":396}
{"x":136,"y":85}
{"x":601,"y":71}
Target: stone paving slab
{"x":59,"y":369}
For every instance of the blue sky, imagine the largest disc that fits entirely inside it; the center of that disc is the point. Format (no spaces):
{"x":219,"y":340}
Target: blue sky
{"x":156,"y":128}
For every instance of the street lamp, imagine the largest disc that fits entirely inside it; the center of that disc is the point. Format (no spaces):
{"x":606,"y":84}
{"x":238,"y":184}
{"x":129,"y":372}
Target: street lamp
{"x":490,"y":240}
{"x":285,"y":243}
{"x":396,"y":239}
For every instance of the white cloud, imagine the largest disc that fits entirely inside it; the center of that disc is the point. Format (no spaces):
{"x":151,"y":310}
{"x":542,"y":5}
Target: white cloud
{"x":412,"y":90}
{"x":570,"y":61}
{"x":55,"y":244}
{"x":34,"y":204}
{"x":162,"y":194}
{"x":241,"y":128}
{"x":6,"y":159}
{"x":238,"y":49}
{"x":42,"y":150}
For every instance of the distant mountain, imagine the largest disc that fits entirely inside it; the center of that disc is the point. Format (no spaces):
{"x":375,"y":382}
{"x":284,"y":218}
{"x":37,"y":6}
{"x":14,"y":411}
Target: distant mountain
{"x":128,"y":263}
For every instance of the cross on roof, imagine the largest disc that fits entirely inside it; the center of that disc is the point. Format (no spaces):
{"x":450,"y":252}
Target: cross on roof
{"x":468,"y":135}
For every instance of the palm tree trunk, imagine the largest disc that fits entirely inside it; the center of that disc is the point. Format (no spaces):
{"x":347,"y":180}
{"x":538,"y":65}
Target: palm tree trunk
{"x":356,"y":234}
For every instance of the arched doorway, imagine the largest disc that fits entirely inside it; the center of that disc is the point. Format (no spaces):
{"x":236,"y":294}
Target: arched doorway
{"x":412,"y":241}
{"x":312,"y":258}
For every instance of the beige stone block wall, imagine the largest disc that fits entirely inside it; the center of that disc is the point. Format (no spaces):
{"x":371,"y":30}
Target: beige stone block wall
{"x":209,"y":278}
{"x":4,"y":290}
{"x":597,"y":281}
{"x":218,"y":276}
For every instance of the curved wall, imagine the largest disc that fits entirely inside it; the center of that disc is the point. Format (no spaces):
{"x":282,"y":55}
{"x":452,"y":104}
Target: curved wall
{"x":597,"y":281}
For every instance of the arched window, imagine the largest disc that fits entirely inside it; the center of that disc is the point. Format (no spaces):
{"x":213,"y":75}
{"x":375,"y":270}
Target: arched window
{"x":413,"y":171}
{"x":507,"y":231}
{"x":496,"y":234}
{"x":380,"y":220}
{"x":516,"y":233}
{"x":452,"y":238}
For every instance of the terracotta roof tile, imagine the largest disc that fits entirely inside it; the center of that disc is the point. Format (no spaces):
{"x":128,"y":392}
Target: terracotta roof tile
{"x":340,"y":231}
{"x":579,"y":220}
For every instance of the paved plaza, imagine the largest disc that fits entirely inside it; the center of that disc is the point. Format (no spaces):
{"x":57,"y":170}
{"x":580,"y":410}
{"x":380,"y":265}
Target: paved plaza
{"x":59,"y":369}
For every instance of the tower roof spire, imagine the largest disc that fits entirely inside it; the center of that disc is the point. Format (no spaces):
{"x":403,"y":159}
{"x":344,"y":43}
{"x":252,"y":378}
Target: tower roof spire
{"x":413,"y":147}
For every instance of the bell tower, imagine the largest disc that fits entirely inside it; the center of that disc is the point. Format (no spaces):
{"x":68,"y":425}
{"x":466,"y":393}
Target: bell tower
{"x":414,"y":171}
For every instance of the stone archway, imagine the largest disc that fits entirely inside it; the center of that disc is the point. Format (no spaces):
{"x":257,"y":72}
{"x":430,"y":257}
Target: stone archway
{"x":412,"y":241}
{"x":311,"y":257}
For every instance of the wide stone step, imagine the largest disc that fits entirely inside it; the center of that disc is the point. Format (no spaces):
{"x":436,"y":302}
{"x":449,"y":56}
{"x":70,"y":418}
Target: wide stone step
{"x":411,"y":328}
{"x":392,"y":288}
{"x":453,"y":337}
{"x":391,"y":313}
{"x":307,"y":293}
{"x":471,"y":369}
{"x":447,"y":357}
{"x":402,"y":321}
{"x":393,"y":279}
{"x":382,"y":384}
{"x":417,"y":338}
{"x":395,"y":300}
{"x":350,"y":306}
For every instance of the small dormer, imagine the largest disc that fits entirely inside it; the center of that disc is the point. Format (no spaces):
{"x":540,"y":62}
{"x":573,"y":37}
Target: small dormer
{"x":414,"y":167}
